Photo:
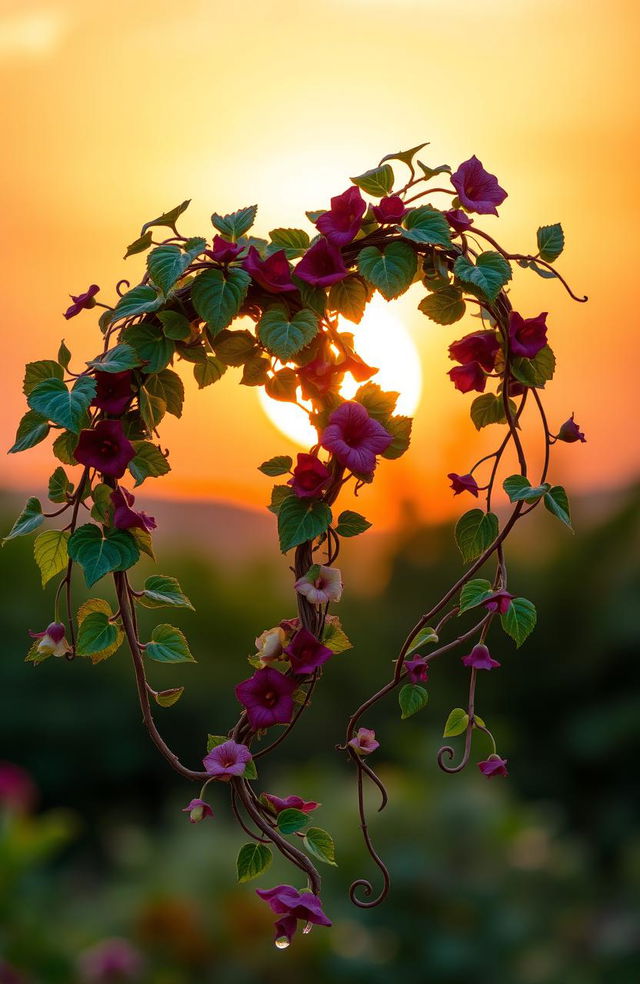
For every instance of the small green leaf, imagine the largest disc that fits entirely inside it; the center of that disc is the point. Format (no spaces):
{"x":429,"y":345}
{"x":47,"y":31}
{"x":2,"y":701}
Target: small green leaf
{"x":283,"y":385}
{"x":101,"y":607}
{"x":102,"y":509}
{"x":255,"y":371}
{"x":152,"y":347}
{"x":426,"y":224}
{"x":233,"y":348}
{"x":489,"y":409}
{"x":284,"y":336}
{"x":116,"y":359}
{"x":379,"y":404}
{"x":294,"y":242}
{"x":149,"y":462}
{"x":53,"y":400}
{"x":334,"y":637}
{"x":208,"y":372}
{"x":431,"y":172}
{"x":168,"y":645}
{"x":412,"y":698}
{"x":152,"y":408}
{"x":96,"y":633}
{"x":139,"y":245}
{"x":161,"y":591}
{"x":400,"y":429}
{"x":174,"y":325}
{"x":279,"y":465}
{"x":550,"y":242}
{"x":64,"y":355}
{"x":319,"y":843}
{"x":444,"y":306}
{"x":139,"y":300}
{"x":474,"y":593}
{"x":167,"y":263}
{"x":425,"y":637}
{"x":32,"y":429}
{"x":456,"y":724}
{"x":29,"y":519}
{"x":235,"y":224}
{"x":519,"y":488}
{"x":64,"y":446}
{"x":289,"y":821}
{"x":474,"y":532}
{"x":278,"y":494}
{"x":300,"y":520}
{"x":59,"y":486}
{"x":168,"y":219}
{"x":557,"y":502}
{"x":537,"y":371}
{"x":218,"y":298}
{"x":168,"y":387}
{"x":406,"y":156}
{"x":253,"y":860}
{"x":37,"y":372}
{"x":167,"y":698}
{"x":377,"y":182}
{"x":489,"y":274}
{"x":351,"y":523}
{"x":390,"y":271}
{"x":50,"y":552}
{"x":519,"y":620}
{"x":349,"y":298}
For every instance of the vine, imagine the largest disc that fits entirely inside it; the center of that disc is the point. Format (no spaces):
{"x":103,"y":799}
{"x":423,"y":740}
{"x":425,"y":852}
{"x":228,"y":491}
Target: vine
{"x":292,"y":295}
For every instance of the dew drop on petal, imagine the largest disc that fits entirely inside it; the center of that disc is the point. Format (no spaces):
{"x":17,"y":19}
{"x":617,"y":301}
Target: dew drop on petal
{"x":282,"y":943}
{"x":308,"y":928}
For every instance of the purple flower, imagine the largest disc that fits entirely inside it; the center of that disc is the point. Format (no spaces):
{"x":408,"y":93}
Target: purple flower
{"x":417,"y":669}
{"x":126,"y":518}
{"x":113,"y":391}
{"x":390,"y":209}
{"x":320,"y":585}
{"x":109,"y":961}
{"x":273,"y":273}
{"x":468,"y":377}
{"x":478,"y":190}
{"x":223,"y":251}
{"x":267,"y":698}
{"x":17,"y":792}
{"x":52,"y":640}
{"x":499,"y":602}
{"x":322,"y":265}
{"x":278,"y":804}
{"x":480,"y":658}
{"x":292,"y":905}
{"x":364,"y":742}
{"x":458,"y":220}
{"x":479,"y":346}
{"x":310,"y":476}
{"x":570,"y":432}
{"x":198,"y":809}
{"x":354,"y":437}
{"x":228,"y":759}
{"x":306,"y":653}
{"x":105,"y":448}
{"x":82,"y":301}
{"x":493,"y":766}
{"x":527,"y":335}
{"x":342,"y":222}
{"x":463,"y":483}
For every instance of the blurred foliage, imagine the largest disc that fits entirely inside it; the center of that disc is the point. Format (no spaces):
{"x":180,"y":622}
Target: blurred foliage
{"x":530,"y":880}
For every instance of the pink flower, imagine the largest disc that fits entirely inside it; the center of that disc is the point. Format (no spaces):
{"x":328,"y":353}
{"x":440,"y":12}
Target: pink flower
{"x":480,"y":658}
{"x":17,"y":792}
{"x":310,"y":476}
{"x":111,"y":960}
{"x":527,"y":335}
{"x":478,"y":190}
{"x":113,"y":391}
{"x":267,"y":698}
{"x":227,"y":760}
{"x":364,"y":741}
{"x":354,"y":437}
{"x":468,"y":377}
{"x":463,"y":483}
{"x":82,"y":301}
{"x":570,"y":432}
{"x":52,"y":640}
{"x":320,"y":585}
{"x":105,"y":448}
{"x":499,"y":602}
{"x":493,"y":766}
{"x":317,"y":377}
{"x":273,"y":273}
{"x":390,"y":209}
{"x":198,"y":809}
{"x":279,"y":804}
{"x":417,"y":669}
{"x":126,"y":518}
{"x":306,"y":652}
{"x":458,"y":220}
{"x":479,"y":346}
{"x":223,"y":251}
{"x":322,"y":265}
{"x":292,"y":905}
{"x":342,"y":222}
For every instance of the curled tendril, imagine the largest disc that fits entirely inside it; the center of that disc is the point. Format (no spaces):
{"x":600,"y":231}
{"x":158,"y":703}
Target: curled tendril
{"x":364,"y":883}
{"x":450,"y":754}
{"x":120,"y":292}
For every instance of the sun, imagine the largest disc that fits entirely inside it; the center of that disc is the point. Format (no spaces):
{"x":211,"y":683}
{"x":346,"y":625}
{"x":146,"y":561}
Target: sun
{"x":381,"y":340}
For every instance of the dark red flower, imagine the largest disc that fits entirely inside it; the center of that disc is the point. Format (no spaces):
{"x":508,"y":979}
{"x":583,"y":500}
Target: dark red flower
{"x":355,"y":438}
{"x":317,"y":377}
{"x":279,"y":804}
{"x":468,"y":377}
{"x":322,"y":265}
{"x":267,"y":698}
{"x":458,"y":220}
{"x":82,"y":301}
{"x":417,"y":669}
{"x":113,"y":391}
{"x":478,"y":190}
{"x":463,"y":483}
{"x":479,"y":346}
{"x":570,"y":432}
{"x":306,"y":653}
{"x":499,"y":602}
{"x":480,"y":658}
{"x":493,"y":766}
{"x":273,"y":273}
{"x":124,"y":517}
{"x":342,"y":222}
{"x":17,"y":791}
{"x":527,"y":335}
{"x":310,"y":476}
{"x":389,"y":209}
{"x":223,"y":251}
{"x":105,"y":448}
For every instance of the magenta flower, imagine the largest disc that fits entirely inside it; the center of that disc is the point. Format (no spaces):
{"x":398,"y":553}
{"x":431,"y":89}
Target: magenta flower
{"x":113,"y":391}
{"x":278,"y":804}
{"x":267,"y":698}
{"x":364,"y":742}
{"x":17,"y":792}
{"x":223,"y":251}
{"x":52,"y":640}
{"x":417,"y":669}
{"x":322,"y":265}
{"x":126,"y":518}
{"x":480,"y":658}
{"x":111,"y":960}
{"x":198,"y":809}
{"x":82,"y":301}
{"x":105,"y":448}
{"x":354,"y":437}
{"x":306,"y":653}
{"x":493,"y":766}
{"x":463,"y":483}
{"x":390,"y":209}
{"x":292,"y":905}
{"x":227,"y":760}
{"x":478,"y":190}
{"x":273,"y":273}
{"x":458,"y":220}
{"x":499,"y":602}
{"x":342,"y":222}
{"x":479,"y":346}
{"x":570,"y":432}
{"x":320,"y":585}
{"x":310,"y":476}
{"x":527,"y":335}
{"x":468,"y":377}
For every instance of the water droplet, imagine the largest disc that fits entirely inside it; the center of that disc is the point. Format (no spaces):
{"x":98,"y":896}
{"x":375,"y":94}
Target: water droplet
{"x":308,"y":928}
{"x":282,"y":943}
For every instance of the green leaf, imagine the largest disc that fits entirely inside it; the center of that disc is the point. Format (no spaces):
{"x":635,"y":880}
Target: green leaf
{"x":289,"y":821}
{"x":520,"y":489}
{"x":167,"y":698}
{"x":406,"y":156}
{"x":214,"y":740}
{"x":235,"y":224}
{"x":489,"y":409}
{"x":168,"y":645}
{"x":412,"y":698}
{"x":139,"y":245}
{"x":152,"y":408}
{"x":253,"y":860}
{"x":426,"y":224}
{"x":218,"y":298}
{"x":379,"y":404}
{"x":116,"y":359}
{"x":550,"y":242}
{"x":53,"y":400}
{"x":474,"y":532}
{"x":349,"y":298}
{"x":149,"y":462}
{"x":29,"y":519}
{"x":456,"y":723}
{"x":101,"y":607}
{"x":557,"y":502}
{"x":400,"y":430}
{"x":474,"y":593}
{"x":174,"y":325}
{"x":444,"y":306}
{"x":519,"y":620}
{"x":153,"y":348}
{"x":37,"y":372}
{"x":334,"y":637}
{"x":425,"y":637}
{"x":50,"y":552}
{"x":489,"y":275}
{"x":161,"y":591}
{"x":32,"y":429}
{"x":102,"y":509}
{"x":139,"y":300}
{"x":64,"y":446}
{"x":351,"y":523}
{"x":234,"y":347}
{"x":377,"y":182}
{"x":431,"y":172}
{"x":391,"y":271}
{"x":209,"y":371}
{"x":293,"y":241}
{"x":167,"y":386}
{"x":99,"y":554}
{"x":283,"y":385}
{"x":168,"y":219}
{"x":59,"y":486}
{"x":314,"y":298}
{"x":278,"y":494}
{"x":166,"y":264}
{"x":319,"y":843}
{"x":284,"y":336}
{"x":300,"y":520}
{"x":64,"y":355}
{"x":537,"y":371}
{"x":255,"y":371}
{"x":279,"y":465}
{"x":96,"y":633}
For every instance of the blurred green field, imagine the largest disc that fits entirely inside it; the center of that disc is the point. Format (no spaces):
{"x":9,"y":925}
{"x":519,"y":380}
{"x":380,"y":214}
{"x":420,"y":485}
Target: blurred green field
{"x":530,"y":880}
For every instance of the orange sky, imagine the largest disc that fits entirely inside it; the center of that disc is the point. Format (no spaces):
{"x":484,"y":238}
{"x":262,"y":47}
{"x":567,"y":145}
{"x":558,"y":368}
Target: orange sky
{"x":114,"y":111}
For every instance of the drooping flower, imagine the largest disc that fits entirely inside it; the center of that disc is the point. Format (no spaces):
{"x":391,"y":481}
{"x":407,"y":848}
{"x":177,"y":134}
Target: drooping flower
{"x":111,"y":960}
{"x":389,"y":209}
{"x":478,"y":190}
{"x":364,"y":741}
{"x":267,"y":698}
{"x":106,"y":448}
{"x":480,"y":658}
{"x":463,"y":483}
{"x":52,"y":640}
{"x":306,"y":653}
{"x":468,"y":377}
{"x":82,"y":301}
{"x":273,"y":273}
{"x":198,"y":809}
{"x":570,"y":432}
{"x":292,"y":905}
{"x":17,"y":791}
{"x":417,"y":669}
{"x":498,"y":602}
{"x":527,"y":335}
{"x":493,"y":766}
{"x":320,"y":585}
{"x":322,"y":264}
{"x":359,"y":369}
{"x":269,"y":644}
{"x":126,"y":518}
{"x":310,"y":476}
{"x":228,"y":759}
{"x":223,"y":251}
{"x":342,"y":222}
{"x":458,"y":220}
{"x":479,"y":346}
{"x":113,"y":391}
{"x":278,"y":803}
{"x":354,"y":437}
{"x":318,"y":377}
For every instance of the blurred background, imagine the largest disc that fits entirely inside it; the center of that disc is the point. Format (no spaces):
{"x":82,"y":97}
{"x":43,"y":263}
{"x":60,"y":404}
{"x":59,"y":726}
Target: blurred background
{"x":115,"y":112}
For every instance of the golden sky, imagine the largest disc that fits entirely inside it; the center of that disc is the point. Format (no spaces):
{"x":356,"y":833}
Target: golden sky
{"x":116,"y":110}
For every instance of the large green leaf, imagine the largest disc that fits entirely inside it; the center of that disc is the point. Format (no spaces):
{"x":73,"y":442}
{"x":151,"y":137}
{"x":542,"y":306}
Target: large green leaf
{"x":349,"y":298}
{"x":166,"y":264}
{"x":391,"y":271}
{"x":426,"y":224}
{"x":290,"y":821}
{"x":489,"y":274}
{"x":519,"y":620}
{"x":50,"y":552}
{"x":412,"y":698}
{"x":175,"y":325}
{"x":444,"y":306}
{"x":474,"y":593}
{"x":319,"y":843}
{"x":139,"y":300}
{"x":209,"y":371}
{"x":253,"y":860}
{"x":117,"y":359}
{"x":550,"y":242}
{"x":29,"y":519}
{"x":32,"y":429}
{"x":400,"y":429}
{"x":294,"y":242}
{"x":377,"y":182}
{"x":99,"y":554}
{"x":218,"y":298}
{"x":149,"y":462}
{"x":64,"y":407}
{"x":489,"y":409}
{"x":235,"y":224}
{"x":95,"y":634}
{"x":474,"y":532}
{"x":234,"y":348}
{"x":168,"y":645}
{"x":167,"y":386}
{"x":284,"y":336}
{"x":64,"y":446}
{"x":300,"y":520}
{"x":37,"y":372}
{"x":161,"y":591}
{"x":537,"y":371}
{"x":154,"y":349}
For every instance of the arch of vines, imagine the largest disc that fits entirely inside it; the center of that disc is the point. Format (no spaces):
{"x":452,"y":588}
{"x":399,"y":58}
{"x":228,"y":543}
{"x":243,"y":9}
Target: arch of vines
{"x":294,"y":293}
